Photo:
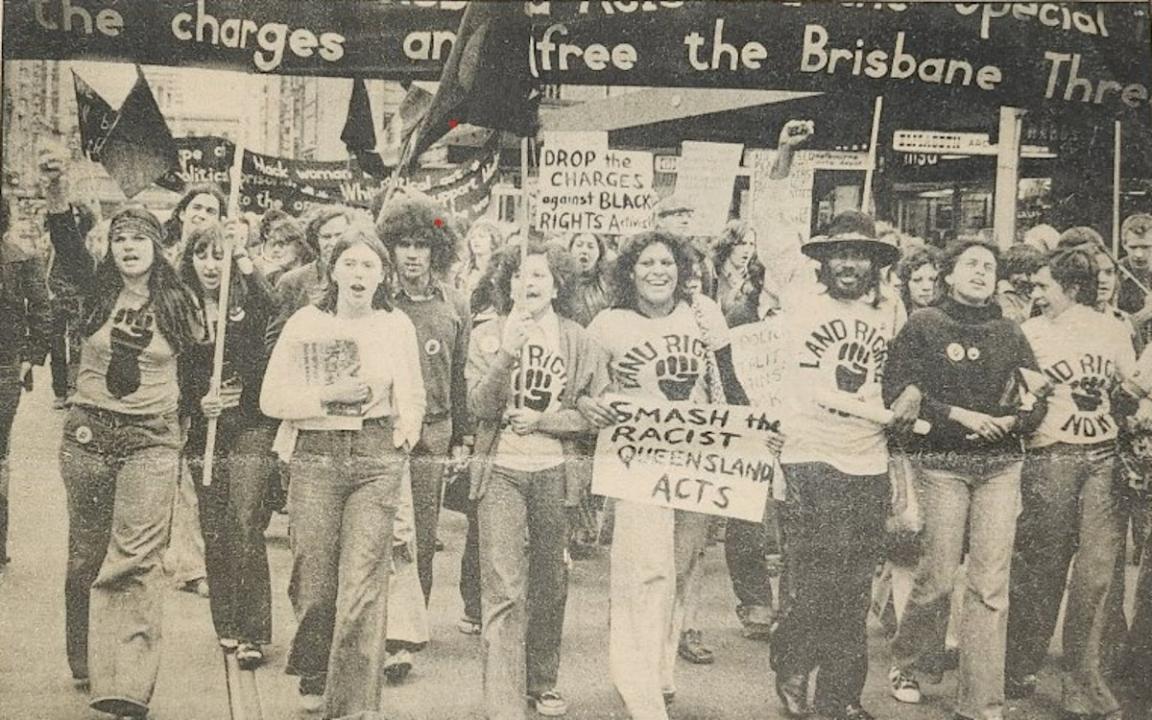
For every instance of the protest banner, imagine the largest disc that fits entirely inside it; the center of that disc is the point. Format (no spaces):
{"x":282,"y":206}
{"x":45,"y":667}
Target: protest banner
{"x":294,"y":185}
{"x":703,"y":458}
{"x":586,"y":187}
{"x":705,"y":176}
{"x":758,"y":356}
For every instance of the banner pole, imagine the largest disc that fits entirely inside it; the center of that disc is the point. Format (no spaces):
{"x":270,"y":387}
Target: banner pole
{"x":235,"y":182}
{"x":525,"y":213}
{"x":1116,"y":181}
{"x":870,"y":170}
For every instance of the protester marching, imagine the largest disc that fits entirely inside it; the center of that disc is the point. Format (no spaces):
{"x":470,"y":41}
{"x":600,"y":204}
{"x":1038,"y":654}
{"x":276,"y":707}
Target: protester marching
{"x":445,"y":411}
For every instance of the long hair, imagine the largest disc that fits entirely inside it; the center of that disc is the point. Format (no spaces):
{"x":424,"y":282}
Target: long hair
{"x":174,"y":226}
{"x":735,"y":232}
{"x":603,"y":261}
{"x":506,"y":263}
{"x":492,"y":230}
{"x":623,"y":284}
{"x":914,"y":259}
{"x":359,"y":234}
{"x":268,"y":222}
{"x":1075,"y":270}
{"x":175,"y":308}
{"x":211,"y":237}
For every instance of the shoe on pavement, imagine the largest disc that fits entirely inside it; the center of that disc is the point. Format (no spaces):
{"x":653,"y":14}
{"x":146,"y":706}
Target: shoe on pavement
{"x":229,"y":644}
{"x":852,"y":712}
{"x":249,"y":656}
{"x":469,"y":626}
{"x":793,"y":693}
{"x":120,"y":707}
{"x":550,"y":704}
{"x":60,"y":404}
{"x":904,"y":686}
{"x":693,"y":649}
{"x":1020,"y":688}
{"x":397,"y":666}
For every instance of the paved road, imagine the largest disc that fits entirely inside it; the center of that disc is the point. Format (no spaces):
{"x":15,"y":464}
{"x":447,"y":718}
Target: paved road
{"x":35,"y":683}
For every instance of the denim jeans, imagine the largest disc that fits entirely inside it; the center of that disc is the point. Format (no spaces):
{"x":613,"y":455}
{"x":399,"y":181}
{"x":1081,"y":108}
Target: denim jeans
{"x":984,"y":503}
{"x":524,"y":587}
{"x":1072,"y":505}
{"x":428,"y":462}
{"x":9,"y":398}
{"x":833,"y":527}
{"x":233,"y":517}
{"x":120,"y":475}
{"x":342,"y":501}
{"x":470,"y":569}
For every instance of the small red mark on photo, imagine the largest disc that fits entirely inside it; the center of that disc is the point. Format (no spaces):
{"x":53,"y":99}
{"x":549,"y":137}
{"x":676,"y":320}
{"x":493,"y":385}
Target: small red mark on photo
{"x":453,"y":123}
{"x":438,"y":222}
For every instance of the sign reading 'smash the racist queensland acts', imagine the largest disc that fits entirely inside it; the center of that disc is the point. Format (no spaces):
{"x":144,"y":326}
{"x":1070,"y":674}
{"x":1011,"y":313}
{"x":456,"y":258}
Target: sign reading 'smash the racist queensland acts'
{"x":704,"y":458}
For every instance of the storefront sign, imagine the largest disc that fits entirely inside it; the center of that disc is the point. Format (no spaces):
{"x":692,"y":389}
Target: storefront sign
{"x":703,"y":458}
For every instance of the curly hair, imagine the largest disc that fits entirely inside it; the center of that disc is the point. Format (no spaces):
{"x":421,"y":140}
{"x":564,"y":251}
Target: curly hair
{"x":1020,"y":259}
{"x":413,"y":217}
{"x":359,"y":233}
{"x":178,"y":318}
{"x":914,"y":259}
{"x":321,"y":215}
{"x":174,"y":226}
{"x":506,"y":264}
{"x":622,"y":281}
{"x":483,"y":226}
{"x":1075,"y":270}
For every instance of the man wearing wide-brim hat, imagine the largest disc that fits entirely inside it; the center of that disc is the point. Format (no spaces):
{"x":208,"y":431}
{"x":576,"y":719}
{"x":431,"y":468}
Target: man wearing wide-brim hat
{"x":835,"y":462}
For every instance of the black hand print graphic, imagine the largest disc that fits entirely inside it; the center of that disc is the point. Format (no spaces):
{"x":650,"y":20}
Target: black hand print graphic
{"x":852,"y":370}
{"x":131,"y":333}
{"x":676,"y":375}
{"x":536,"y":392}
{"x":1088,"y":393}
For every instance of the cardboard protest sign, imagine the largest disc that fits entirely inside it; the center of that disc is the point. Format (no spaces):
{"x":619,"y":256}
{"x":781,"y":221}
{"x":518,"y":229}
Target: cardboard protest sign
{"x":758,"y":356}
{"x":586,"y":187}
{"x":705,"y":177}
{"x":703,"y":458}
{"x":325,"y":362}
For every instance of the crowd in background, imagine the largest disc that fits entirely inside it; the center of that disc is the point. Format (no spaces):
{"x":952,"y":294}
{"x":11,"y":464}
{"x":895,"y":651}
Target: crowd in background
{"x":381,"y":364}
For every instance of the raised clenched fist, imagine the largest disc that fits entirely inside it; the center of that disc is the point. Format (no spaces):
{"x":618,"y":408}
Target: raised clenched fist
{"x":676,"y":375}
{"x":1088,"y":393}
{"x":852,"y":369}
{"x":537,"y":392}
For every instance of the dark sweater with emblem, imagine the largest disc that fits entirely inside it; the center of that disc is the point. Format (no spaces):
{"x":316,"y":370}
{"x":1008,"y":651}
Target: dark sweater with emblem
{"x":962,"y":356}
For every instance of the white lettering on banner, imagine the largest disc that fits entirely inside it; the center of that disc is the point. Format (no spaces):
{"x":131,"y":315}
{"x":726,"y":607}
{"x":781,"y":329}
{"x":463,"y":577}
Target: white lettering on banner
{"x":595,"y":56}
{"x":897,"y":65}
{"x":584,"y":186}
{"x":1084,"y":90}
{"x":760,"y":361}
{"x":705,"y":178}
{"x":73,"y":16}
{"x":271,"y":39}
{"x":703,"y":458}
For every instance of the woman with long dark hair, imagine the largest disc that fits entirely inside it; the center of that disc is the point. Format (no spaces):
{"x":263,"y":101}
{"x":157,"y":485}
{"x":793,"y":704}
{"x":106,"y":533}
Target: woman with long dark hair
{"x":663,"y":342}
{"x":201,"y":204}
{"x":739,"y":274}
{"x":121,"y":451}
{"x":232,"y":508}
{"x":919,"y":275}
{"x":345,"y":379}
{"x":526,"y":370}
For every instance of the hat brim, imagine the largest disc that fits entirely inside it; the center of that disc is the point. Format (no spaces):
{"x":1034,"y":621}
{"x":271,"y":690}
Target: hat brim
{"x":883,"y":254}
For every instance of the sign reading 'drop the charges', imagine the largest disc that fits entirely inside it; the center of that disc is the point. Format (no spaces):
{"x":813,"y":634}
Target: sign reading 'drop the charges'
{"x":703,"y":458}
{"x":586,"y":187}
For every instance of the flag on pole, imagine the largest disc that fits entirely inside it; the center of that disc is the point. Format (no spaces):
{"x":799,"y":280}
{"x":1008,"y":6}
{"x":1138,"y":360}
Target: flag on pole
{"x":96,"y":118}
{"x":359,"y":134}
{"x":134,"y":144}
{"x":485,"y":81}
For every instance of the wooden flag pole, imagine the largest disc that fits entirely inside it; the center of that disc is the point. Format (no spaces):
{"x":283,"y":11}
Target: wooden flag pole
{"x":525,"y":211}
{"x":236,"y":180}
{"x":870,"y":170}
{"x":1117,"y":136}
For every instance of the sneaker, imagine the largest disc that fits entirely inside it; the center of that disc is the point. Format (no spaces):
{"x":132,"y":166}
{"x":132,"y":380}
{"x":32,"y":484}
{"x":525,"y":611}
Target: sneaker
{"x":397,"y":666}
{"x":854,"y":712}
{"x":793,"y":693}
{"x":60,"y":404}
{"x":550,"y":704}
{"x":469,"y":626}
{"x":229,"y":644}
{"x":693,"y":649}
{"x":904,"y":686}
{"x":249,"y":656}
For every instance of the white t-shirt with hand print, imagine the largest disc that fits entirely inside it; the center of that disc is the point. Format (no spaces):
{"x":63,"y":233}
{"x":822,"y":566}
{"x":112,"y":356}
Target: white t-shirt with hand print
{"x":661,"y":358}
{"x":538,"y":381}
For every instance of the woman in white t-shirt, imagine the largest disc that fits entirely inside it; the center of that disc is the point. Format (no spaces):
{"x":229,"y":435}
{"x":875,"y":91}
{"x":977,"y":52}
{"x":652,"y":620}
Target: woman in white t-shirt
{"x":658,"y":342}
{"x":526,"y":369}
{"x":345,"y":379}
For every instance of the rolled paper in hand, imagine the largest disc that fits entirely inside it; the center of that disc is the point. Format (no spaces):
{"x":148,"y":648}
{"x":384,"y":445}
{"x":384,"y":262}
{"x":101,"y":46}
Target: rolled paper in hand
{"x":851,"y":405}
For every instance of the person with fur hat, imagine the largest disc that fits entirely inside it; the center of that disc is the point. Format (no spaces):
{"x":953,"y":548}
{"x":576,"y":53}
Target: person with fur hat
{"x":835,"y":463}
{"x":120,"y":453}
{"x":421,"y":236}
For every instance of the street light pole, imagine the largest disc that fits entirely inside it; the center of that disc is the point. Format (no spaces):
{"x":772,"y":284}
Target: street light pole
{"x":1007,"y":176}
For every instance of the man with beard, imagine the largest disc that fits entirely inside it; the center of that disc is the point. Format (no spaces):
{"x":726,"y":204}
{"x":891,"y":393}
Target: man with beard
{"x":835,"y":463}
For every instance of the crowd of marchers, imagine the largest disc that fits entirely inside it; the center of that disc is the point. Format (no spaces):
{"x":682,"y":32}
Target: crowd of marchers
{"x":377,"y":365}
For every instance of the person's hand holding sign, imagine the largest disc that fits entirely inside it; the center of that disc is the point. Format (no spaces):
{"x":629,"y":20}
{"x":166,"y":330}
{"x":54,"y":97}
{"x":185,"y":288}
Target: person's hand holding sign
{"x":597,"y":412}
{"x":214,"y":404}
{"x":346,"y":390}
